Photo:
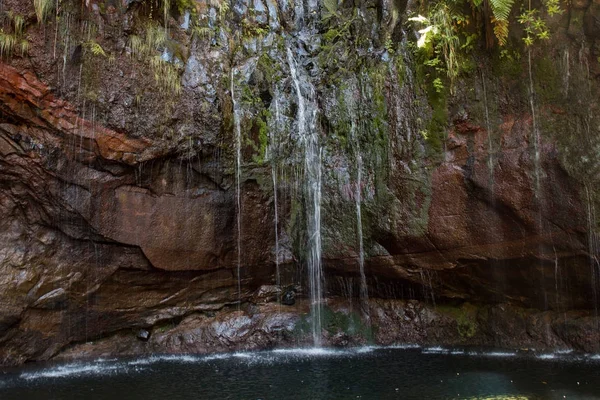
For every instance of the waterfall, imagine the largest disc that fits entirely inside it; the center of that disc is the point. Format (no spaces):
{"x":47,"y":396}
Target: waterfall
{"x":309,"y":138}
{"x":364,"y":291}
{"x":277,"y":273}
{"x":488,"y":127}
{"x":238,"y":162}
{"x":273,"y":154}
{"x":536,"y":170}
{"x":536,"y":133}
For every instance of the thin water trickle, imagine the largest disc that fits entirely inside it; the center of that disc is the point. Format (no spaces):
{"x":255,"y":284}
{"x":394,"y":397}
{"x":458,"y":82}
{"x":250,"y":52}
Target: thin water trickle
{"x":594,"y":253}
{"x":427,"y":284}
{"x":364,"y":292}
{"x":567,"y":70}
{"x":488,"y":126}
{"x":537,"y":174}
{"x":308,"y":136}
{"x":238,"y":162}
{"x":536,"y":133}
{"x":273,"y":155}
{"x":277,"y":273}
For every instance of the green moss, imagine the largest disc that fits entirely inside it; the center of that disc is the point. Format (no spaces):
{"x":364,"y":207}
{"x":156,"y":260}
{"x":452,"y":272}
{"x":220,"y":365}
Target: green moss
{"x":465,"y":317}
{"x":91,"y":78}
{"x":438,"y":124}
{"x":350,"y":324}
{"x":506,"y":62}
{"x":262,"y":129}
{"x":186,"y":5}
{"x":334,"y":323}
{"x":251,"y":30}
{"x":436,"y":86}
{"x":269,"y":68}
{"x":547,"y":83}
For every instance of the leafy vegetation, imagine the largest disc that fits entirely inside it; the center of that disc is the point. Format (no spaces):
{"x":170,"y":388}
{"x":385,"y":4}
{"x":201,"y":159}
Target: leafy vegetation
{"x":42,"y":9}
{"x":440,"y":39}
{"x":344,"y":35}
{"x":12,"y":35}
{"x":95,"y":48}
{"x":150,"y":48}
{"x":449,"y":32}
{"x":535,"y":27}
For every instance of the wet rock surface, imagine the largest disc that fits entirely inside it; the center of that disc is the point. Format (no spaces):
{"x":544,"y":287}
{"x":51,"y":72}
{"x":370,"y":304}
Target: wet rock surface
{"x":118,"y":207}
{"x":393,"y":322}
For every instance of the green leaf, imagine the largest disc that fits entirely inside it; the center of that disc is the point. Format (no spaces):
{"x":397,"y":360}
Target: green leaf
{"x":331,"y":7}
{"x":501,"y":8}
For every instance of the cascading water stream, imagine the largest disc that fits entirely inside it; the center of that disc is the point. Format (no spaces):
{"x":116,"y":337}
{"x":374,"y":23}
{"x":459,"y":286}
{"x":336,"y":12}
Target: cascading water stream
{"x":276,"y":223}
{"x":534,"y":126}
{"x":536,"y":133}
{"x":238,"y":162}
{"x":594,"y":253}
{"x":309,"y":138}
{"x":364,"y":292}
{"x":273,"y":147}
{"x":488,"y":127}
{"x":537,"y":171}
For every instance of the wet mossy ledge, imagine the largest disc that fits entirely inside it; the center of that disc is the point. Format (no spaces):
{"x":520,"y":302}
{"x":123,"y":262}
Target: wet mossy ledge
{"x":393,"y":322}
{"x":470,"y":148}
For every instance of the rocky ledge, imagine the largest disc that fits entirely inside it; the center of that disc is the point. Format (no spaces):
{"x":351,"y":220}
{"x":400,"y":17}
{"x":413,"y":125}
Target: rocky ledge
{"x":390,"y":322}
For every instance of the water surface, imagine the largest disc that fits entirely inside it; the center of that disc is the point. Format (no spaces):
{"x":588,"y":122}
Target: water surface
{"x":363,"y":373}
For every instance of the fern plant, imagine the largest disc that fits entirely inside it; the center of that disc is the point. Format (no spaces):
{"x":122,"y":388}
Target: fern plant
{"x":95,"y":48}
{"x":500,"y":12}
{"x":148,"y":49}
{"x":42,"y":9}
{"x":439,"y":38}
{"x":535,"y":27}
{"x":12,"y":35}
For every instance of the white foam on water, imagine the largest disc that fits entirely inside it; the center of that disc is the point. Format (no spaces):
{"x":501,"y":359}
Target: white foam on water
{"x":75,"y":370}
{"x":220,"y":356}
{"x":569,"y":351}
{"x":113,"y":366}
{"x":102,"y":360}
{"x":244,"y":355}
{"x":548,"y":356}
{"x":403,"y":346}
{"x":165,"y":358}
{"x":435,"y":350}
{"x":491,"y":354}
{"x":366,"y":349}
{"x":311,"y":351}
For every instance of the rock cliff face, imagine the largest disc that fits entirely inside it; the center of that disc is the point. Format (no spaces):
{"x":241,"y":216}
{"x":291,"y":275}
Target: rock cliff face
{"x":118,"y":192}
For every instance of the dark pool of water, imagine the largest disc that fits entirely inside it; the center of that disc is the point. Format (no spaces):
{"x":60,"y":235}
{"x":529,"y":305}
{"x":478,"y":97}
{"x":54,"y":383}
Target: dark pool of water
{"x":365,"y":373}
